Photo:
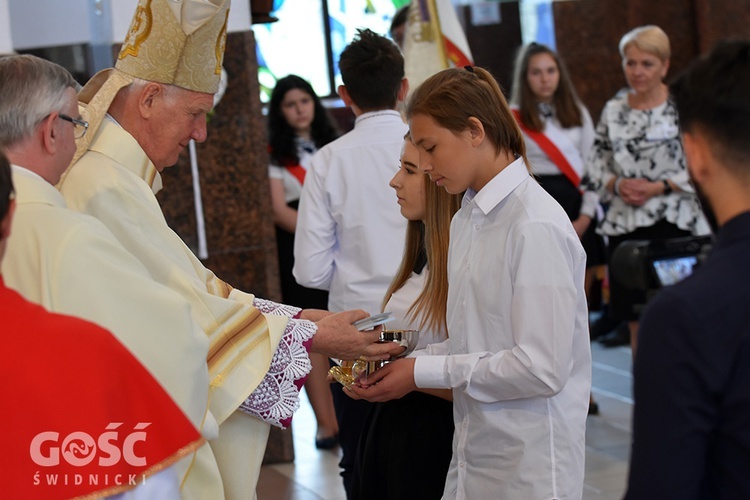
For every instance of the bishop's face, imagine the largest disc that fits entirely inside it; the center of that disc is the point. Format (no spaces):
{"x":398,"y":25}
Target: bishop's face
{"x":67,"y":131}
{"x":178,"y":115}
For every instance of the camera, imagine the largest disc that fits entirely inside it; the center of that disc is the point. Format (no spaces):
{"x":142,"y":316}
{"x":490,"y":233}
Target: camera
{"x":649,"y":265}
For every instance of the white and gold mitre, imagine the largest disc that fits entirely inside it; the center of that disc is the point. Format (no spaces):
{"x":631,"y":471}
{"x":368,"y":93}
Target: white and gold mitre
{"x":175,"y":42}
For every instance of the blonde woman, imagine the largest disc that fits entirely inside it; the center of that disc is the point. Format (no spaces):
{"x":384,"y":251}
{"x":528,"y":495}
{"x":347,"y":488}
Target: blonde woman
{"x":637,"y":162}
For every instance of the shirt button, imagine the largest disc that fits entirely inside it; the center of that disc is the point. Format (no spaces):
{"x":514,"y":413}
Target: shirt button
{"x":462,"y":464}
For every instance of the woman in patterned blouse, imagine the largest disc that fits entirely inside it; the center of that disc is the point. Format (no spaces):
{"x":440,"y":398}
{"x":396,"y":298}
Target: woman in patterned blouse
{"x":637,"y":163}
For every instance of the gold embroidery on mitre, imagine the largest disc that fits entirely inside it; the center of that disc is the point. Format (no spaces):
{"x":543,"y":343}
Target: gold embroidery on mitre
{"x":221,"y":43}
{"x":139,"y":31}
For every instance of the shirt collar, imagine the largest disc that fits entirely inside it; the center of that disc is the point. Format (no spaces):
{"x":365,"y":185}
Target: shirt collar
{"x":111,"y":118}
{"x":499,"y":187}
{"x":375,"y":116}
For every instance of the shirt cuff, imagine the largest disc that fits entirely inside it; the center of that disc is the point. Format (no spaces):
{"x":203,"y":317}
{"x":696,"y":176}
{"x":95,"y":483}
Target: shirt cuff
{"x":430,"y":372}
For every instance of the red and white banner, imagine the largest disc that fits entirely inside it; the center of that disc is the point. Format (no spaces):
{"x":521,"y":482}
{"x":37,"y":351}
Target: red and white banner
{"x":434,"y":40}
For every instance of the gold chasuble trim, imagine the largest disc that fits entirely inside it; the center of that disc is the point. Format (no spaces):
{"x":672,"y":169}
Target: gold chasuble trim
{"x":116,"y":489}
{"x":218,"y":287}
{"x":251,"y":323}
{"x":240,"y":353}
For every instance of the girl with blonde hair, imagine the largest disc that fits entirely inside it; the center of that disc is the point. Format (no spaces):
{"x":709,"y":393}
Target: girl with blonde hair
{"x":406,"y":443}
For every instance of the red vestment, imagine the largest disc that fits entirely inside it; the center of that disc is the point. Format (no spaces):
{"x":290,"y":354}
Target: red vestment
{"x":81,"y":416}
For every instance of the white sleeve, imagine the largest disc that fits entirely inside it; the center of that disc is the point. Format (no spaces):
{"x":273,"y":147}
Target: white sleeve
{"x":589,"y":204}
{"x":590,"y":198}
{"x":277,"y":397}
{"x":587,"y":133}
{"x":598,"y":167}
{"x":436,"y":349}
{"x":540,"y":361}
{"x":275,"y":172}
{"x":315,"y":238}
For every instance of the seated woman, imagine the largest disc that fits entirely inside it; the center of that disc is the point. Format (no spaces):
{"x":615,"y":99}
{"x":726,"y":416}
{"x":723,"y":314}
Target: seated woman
{"x":405,"y":448}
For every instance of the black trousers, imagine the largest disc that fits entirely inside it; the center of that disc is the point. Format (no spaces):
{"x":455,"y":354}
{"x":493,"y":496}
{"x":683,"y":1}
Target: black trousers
{"x":351,"y":415}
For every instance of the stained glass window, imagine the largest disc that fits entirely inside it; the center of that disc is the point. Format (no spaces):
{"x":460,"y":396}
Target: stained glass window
{"x":309,"y":36}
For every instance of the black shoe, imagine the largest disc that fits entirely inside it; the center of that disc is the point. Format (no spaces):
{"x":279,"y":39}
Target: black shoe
{"x":621,"y":336}
{"x":593,"y":408}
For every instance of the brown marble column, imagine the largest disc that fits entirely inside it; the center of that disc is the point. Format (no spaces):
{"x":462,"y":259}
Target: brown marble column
{"x":719,"y":19}
{"x":233,"y":171}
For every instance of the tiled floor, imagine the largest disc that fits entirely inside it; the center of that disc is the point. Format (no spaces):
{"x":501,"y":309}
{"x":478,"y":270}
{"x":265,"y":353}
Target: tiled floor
{"x":314,"y":474}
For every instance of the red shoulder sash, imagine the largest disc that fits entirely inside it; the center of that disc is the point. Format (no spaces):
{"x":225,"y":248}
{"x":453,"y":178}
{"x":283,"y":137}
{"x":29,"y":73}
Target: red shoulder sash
{"x":550,"y":150}
{"x":298,"y":172}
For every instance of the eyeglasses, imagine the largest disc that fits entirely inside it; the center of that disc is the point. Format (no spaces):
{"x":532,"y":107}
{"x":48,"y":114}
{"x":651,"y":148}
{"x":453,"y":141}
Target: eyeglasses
{"x":79,"y":126}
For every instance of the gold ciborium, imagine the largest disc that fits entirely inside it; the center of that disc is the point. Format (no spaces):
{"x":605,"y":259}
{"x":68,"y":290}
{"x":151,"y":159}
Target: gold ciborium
{"x":348,"y":373}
